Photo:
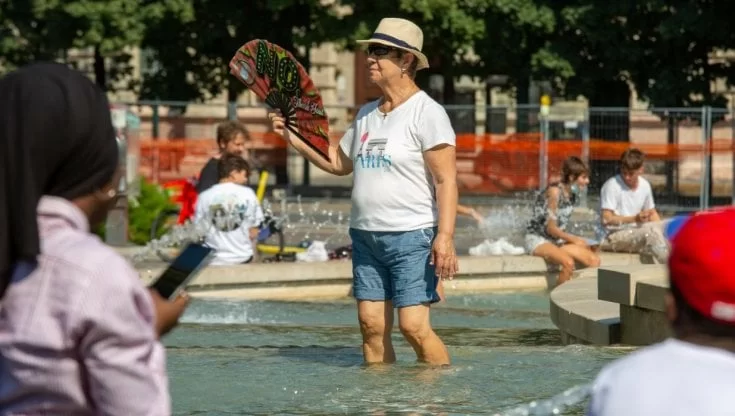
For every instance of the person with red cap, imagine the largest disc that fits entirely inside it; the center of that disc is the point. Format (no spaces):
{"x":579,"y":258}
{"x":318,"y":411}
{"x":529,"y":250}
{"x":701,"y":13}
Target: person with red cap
{"x":692,"y":373}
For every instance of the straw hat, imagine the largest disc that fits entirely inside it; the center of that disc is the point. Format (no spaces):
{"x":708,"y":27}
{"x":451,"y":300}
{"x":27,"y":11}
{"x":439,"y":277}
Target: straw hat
{"x":400,"y":34}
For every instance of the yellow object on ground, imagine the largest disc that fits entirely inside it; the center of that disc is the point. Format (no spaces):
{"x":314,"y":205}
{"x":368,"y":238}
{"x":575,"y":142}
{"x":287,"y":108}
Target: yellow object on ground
{"x":262,"y":184}
{"x":273,"y":249}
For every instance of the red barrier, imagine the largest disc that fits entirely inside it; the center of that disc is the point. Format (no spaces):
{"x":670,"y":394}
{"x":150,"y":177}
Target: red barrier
{"x":489,"y":163}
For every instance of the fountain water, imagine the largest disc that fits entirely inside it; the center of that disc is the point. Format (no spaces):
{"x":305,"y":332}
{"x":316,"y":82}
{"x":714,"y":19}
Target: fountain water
{"x":506,"y":356}
{"x":289,"y":341}
{"x":300,"y":224}
{"x":553,"y":406}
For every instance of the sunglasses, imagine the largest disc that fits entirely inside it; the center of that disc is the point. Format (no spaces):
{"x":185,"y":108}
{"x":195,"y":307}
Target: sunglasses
{"x":379,"y":50}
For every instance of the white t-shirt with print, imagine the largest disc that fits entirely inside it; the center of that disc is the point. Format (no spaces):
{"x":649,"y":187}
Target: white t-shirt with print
{"x":393,"y":189}
{"x":621,"y":200}
{"x":229,"y":211}
{"x":672,"y":378}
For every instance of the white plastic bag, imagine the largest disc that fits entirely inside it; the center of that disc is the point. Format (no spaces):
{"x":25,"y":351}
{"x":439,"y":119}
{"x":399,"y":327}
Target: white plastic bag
{"x":317,"y":251}
{"x":498,"y":247}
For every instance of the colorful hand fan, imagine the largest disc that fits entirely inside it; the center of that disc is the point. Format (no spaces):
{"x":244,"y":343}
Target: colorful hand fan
{"x":277,"y":78}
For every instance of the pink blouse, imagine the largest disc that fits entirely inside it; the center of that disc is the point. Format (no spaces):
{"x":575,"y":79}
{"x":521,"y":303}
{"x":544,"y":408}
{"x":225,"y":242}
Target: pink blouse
{"x":77,"y":333}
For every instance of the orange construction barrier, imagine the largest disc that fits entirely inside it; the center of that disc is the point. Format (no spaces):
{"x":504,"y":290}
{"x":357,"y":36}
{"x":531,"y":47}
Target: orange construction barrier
{"x":490,"y":163}
{"x":166,"y":160}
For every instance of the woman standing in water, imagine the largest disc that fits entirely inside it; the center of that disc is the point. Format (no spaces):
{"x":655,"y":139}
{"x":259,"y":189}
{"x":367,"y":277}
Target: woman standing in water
{"x":401,"y":151}
{"x":546,"y":234}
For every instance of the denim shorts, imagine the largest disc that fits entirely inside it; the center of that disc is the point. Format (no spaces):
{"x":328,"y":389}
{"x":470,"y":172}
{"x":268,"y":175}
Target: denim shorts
{"x":394,"y":266}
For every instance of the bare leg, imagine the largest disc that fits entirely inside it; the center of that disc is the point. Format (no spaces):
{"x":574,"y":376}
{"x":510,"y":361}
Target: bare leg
{"x":376,"y":324}
{"x":582,"y":254}
{"x":552,"y":253}
{"x":416,"y":328}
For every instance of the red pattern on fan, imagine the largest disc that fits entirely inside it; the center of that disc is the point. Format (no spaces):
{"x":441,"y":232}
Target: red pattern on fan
{"x":277,"y":78}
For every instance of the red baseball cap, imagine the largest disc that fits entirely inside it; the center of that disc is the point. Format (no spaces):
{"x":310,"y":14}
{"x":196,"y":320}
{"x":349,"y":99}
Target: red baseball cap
{"x":701,"y":264}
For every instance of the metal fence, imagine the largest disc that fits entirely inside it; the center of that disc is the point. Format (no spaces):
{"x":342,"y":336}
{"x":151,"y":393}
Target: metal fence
{"x":501,"y":150}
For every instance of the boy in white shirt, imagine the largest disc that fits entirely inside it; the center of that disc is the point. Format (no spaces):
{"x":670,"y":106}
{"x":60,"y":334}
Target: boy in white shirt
{"x":231,"y":213}
{"x":628,"y":212}
{"x":691,"y":373}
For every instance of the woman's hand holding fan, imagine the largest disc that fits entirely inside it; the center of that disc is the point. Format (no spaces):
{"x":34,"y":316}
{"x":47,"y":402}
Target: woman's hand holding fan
{"x":275,"y":76}
{"x":279,"y":124}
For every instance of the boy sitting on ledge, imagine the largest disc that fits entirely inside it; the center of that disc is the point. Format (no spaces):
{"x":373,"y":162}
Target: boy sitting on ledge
{"x":230,"y":212}
{"x":628,"y":213}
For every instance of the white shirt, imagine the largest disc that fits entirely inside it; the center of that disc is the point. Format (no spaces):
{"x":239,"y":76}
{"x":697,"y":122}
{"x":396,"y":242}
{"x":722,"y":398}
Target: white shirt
{"x":672,"y":378}
{"x":229,"y":211}
{"x":621,"y":200}
{"x":393,"y":189}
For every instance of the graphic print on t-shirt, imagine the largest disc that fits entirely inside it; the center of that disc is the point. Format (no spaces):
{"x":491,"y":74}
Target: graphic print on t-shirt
{"x":371,"y":154}
{"x":228,"y":214}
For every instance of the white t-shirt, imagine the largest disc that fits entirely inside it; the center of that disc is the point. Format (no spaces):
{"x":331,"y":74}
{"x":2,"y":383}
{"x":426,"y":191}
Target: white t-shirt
{"x":229,"y":211}
{"x":621,"y":200}
{"x":393,"y":189}
{"x":672,"y":378}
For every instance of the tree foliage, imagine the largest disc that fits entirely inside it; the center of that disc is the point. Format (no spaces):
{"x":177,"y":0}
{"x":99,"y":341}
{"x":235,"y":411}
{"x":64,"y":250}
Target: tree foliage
{"x":584,"y":47}
{"x":193,"y":54}
{"x":662,"y":47}
{"x":33,"y":30}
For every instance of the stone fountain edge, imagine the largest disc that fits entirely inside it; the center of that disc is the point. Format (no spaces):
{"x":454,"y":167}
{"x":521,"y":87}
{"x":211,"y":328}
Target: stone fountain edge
{"x":333,"y":279}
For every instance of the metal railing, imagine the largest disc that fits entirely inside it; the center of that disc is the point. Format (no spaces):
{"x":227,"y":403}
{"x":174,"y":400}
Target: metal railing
{"x":516,"y":148}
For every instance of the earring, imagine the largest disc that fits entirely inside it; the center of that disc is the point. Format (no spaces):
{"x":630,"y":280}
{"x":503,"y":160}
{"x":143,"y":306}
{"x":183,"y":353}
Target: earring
{"x":111,"y":193}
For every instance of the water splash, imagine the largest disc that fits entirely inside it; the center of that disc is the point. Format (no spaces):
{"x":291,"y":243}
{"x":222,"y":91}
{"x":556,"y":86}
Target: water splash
{"x":553,"y":406}
{"x":178,"y":236}
{"x":313,"y":222}
{"x":298,"y":221}
{"x":506,"y":220}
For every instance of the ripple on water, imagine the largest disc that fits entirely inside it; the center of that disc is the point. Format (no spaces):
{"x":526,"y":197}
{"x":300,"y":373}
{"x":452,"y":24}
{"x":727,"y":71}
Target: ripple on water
{"x":304,"y":358}
{"x":315,"y":379}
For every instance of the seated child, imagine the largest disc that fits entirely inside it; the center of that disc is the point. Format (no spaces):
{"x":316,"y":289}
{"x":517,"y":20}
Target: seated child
{"x":546,"y":234}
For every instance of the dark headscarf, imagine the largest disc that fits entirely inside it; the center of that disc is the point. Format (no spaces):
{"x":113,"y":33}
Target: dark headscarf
{"x":56,"y":138}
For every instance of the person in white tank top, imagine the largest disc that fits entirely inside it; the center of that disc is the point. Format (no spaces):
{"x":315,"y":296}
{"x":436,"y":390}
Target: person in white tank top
{"x":401,"y":152}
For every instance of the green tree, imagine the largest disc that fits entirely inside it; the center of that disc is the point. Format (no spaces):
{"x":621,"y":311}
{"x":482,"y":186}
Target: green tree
{"x":662,"y":48}
{"x":677,"y":69}
{"x":32,"y":30}
{"x":450,"y":27}
{"x":519,"y":35}
{"x":192,"y":54}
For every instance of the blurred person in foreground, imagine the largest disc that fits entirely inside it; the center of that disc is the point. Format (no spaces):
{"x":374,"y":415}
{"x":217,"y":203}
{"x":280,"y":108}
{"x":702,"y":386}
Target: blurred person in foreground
{"x":232,"y":138}
{"x":78,"y":329}
{"x":628,"y":212}
{"x":230,"y":213}
{"x":546,"y":233}
{"x":401,"y":151}
{"x":692,"y":372}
